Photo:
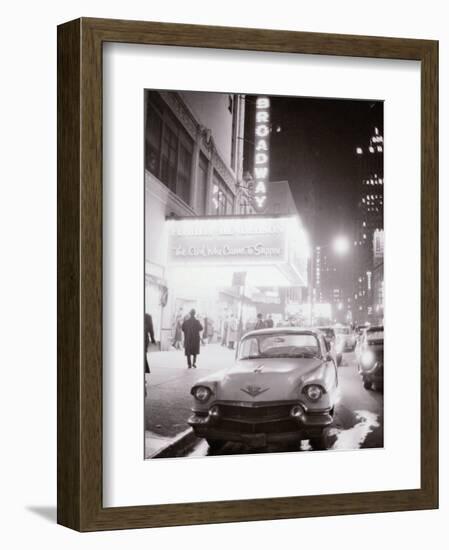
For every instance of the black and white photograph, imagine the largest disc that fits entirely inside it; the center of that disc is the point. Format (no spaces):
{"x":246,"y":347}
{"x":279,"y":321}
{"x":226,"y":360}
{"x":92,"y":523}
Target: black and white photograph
{"x":264,"y":274}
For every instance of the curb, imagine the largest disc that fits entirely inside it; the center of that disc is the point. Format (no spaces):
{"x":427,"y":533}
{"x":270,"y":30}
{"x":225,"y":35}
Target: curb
{"x":179,"y":443}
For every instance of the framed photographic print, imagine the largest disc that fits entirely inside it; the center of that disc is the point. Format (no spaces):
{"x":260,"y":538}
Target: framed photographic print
{"x":247,"y":289}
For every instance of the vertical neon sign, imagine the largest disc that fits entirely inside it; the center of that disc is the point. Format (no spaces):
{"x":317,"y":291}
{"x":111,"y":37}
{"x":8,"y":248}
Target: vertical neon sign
{"x":261,"y":152}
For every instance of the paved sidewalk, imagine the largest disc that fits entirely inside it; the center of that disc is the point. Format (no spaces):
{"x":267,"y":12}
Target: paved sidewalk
{"x":168,"y":401}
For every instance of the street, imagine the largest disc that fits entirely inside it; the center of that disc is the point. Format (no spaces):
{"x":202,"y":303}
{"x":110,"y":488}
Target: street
{"x":358,"y":420}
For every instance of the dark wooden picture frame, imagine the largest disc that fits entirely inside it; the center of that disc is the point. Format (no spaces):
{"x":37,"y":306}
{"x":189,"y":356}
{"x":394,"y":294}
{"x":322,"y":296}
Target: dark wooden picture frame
{"x":80,"y":274}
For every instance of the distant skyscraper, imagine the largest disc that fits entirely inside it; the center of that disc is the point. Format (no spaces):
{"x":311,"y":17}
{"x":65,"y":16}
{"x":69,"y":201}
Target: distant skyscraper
{"x":369,"y":218}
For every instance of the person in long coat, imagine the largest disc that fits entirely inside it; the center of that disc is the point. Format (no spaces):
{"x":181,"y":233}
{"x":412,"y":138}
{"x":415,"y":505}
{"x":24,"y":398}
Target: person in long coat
{"x":191,"y":329}
{"x":260,"y":322}
{"x":232,"y":332}
{"x":149,"y":337}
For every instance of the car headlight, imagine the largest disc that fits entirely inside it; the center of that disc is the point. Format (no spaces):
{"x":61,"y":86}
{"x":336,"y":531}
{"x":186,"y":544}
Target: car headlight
{"x":314,"y":392}
{"x":201,"y":393}
{"x":367,"y":359}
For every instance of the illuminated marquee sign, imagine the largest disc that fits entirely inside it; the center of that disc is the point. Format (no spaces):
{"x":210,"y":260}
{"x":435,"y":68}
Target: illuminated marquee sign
{"x":240,"y":243}
{"x":261,"y":152}
{"x":230,"y":241}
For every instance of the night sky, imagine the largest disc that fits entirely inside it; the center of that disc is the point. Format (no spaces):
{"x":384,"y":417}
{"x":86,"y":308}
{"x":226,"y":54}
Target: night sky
{"x":315,"y":151}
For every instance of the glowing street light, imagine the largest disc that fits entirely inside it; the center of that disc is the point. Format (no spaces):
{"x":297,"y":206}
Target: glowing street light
{"x":341,"y":245}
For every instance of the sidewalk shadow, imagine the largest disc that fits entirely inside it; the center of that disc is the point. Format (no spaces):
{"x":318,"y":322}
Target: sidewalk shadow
{"x":46,"y":512}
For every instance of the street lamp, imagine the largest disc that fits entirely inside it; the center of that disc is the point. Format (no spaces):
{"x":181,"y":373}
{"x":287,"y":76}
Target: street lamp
{"x":341,"y":245}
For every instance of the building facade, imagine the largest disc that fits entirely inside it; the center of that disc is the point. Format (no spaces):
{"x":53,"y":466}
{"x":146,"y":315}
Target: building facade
{"x":207,"y":246}
{"x":369,"y":219}
{"x":193,"y":167}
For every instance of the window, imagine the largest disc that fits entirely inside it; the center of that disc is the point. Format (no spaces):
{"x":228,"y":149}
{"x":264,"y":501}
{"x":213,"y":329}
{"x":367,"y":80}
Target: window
{"x":169,"y":158}
{"x":201,"y":186}
{"x":222,"y":198}
{"x":168,"y":148}
{"x":184,"y":169}
{"x":280,"y":345}
{"x":153,"y":140}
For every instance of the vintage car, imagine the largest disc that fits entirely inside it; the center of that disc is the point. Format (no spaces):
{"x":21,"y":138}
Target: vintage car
{"x":335,"y":349}
{"x":370,"y":357}
{"x":281,"y":388}
{"x":345,"y":337}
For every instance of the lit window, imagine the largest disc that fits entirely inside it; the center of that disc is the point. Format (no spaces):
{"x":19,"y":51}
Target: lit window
{"x":379,"y":148}
{"x":359,"y":151}
{"x":371,"y":149}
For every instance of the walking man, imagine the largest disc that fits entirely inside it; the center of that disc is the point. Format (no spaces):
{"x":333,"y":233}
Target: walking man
{"x":191,"y":329}
{"x":260,"y":324}
{"x":269,"y":323}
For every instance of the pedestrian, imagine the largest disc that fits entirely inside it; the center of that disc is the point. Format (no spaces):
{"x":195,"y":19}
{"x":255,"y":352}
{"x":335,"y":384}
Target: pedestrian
{"x":205,"y":334}
{"x":148,"y":337}
{"x":269,"y":323}
{"x":259,"y":324}
{"x":224,"y":332}
{"x":177,"y":340}
{"x":191,"y":329}
{"x":210,"y":330}
{"x":232,"y":332}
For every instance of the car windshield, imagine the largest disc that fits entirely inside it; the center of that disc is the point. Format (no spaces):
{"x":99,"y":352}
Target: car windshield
{"x":328,"y":332}
{"x":279,"y":345}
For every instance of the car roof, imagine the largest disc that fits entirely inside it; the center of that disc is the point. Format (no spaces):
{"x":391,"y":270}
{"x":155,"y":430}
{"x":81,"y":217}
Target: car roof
{"x":325,"y":327}
{"x":283,"y":330}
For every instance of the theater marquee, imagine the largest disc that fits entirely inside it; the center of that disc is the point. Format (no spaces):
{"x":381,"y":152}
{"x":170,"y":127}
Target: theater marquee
{"x":227,"y":241}
{"x":278,"y":242}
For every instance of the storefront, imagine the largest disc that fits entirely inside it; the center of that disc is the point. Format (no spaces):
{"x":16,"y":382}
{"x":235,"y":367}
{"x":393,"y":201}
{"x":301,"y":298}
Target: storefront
{"x":227,"y":266}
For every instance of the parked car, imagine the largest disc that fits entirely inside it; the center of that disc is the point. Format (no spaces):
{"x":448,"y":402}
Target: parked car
{"x":345,"y":338}
{"x":282,"y":388}
{"x":331,"y":338}
{"x":371,"y":357}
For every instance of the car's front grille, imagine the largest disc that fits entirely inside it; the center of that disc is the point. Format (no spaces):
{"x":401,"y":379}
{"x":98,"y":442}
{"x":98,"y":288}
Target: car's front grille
{"x":287,"y":425}
{"x":266,"y":412}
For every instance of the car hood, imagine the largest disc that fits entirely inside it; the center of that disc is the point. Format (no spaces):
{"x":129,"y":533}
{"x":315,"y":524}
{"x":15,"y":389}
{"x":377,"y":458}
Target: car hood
{"x":265,"y":379}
